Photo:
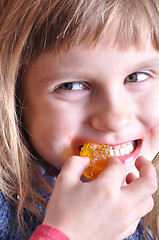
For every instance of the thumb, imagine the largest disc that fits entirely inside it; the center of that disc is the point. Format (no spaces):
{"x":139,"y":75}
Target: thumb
{"x":73,"y":169}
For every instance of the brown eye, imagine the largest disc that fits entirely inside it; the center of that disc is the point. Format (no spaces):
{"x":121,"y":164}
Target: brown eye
{"x":137,"y":77}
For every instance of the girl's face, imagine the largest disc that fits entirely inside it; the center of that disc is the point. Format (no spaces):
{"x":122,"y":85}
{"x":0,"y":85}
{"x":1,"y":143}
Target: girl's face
{"x":100,"y":94}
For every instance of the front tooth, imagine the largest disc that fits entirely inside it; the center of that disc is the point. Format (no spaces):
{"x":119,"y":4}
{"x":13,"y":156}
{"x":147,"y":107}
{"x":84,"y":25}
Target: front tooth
{"x":122,"y":151}
{"x":111,"y":153}
{"x":117,"y":152}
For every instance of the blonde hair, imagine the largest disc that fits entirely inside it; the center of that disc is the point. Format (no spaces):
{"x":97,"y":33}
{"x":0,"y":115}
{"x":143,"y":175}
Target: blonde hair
{"x":28,"y":28}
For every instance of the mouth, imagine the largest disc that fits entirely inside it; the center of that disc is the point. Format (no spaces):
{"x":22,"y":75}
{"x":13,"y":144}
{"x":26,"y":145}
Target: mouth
{"x":126,"y":151}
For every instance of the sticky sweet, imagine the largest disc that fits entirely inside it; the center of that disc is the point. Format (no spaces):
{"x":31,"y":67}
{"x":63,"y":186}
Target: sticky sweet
{"x":99,"y":154}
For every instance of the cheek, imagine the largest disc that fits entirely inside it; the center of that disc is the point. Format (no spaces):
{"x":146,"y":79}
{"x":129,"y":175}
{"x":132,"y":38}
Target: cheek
{"x":149,"y":118}
{"x":63,"y":126}
{"x":149,"y":110}
{"x":154,"y":138}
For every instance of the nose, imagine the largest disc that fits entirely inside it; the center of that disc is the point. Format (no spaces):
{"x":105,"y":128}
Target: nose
{"x":112,"y":113}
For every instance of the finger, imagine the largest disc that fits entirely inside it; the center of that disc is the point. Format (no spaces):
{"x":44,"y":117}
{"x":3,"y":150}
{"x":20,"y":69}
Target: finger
{"x":145,"y":167}
{"x":73,"y":169}
{"x":147,"y":173}
{"x":113,"y":174}
{"x":130,"y":178}
{"x":144,"y":186}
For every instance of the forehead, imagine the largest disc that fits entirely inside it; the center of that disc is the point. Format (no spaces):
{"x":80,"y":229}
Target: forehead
{"x":91,"y":58}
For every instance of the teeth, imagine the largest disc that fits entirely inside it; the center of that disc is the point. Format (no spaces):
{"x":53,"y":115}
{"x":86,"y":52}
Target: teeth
{"x":117,"y":152}
{"x":112,"y":153}
{"x":123,"y":149}
{"x":117,"y":147}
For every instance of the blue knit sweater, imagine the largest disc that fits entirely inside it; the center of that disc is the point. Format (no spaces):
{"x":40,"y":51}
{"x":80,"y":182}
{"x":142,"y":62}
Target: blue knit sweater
{"x":10,"y":230}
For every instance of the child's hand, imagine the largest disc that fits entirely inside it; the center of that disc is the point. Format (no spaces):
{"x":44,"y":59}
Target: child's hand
{"x":102,"y":208}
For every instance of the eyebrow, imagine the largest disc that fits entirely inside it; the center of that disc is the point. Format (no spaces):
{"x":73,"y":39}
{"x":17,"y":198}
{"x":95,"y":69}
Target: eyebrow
{"x":149,"y":63}
{"x":62,"y":76}
{"x":154,"y":62}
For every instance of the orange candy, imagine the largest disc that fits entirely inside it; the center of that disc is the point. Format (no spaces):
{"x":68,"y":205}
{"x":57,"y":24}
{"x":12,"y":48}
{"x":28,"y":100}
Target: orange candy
{"x":98,"y":154}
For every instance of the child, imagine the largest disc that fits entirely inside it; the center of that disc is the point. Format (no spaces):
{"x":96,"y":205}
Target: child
{"x":76,"y":71}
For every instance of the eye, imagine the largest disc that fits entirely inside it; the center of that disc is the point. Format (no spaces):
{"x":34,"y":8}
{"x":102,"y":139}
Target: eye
{"x":72,"y":86}
{"x":137,"y":77}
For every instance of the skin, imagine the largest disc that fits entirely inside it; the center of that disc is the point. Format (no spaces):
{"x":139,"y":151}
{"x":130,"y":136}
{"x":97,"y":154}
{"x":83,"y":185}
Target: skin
{"x":103,"y":109}
{"x":103,"y":105}
{"x":103,"y":212}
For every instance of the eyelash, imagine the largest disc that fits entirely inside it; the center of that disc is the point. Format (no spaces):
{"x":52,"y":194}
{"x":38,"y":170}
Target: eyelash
{"x":68,"y":86}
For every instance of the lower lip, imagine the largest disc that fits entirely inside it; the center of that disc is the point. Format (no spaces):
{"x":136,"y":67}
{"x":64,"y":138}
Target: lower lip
{"x":132,"y":156}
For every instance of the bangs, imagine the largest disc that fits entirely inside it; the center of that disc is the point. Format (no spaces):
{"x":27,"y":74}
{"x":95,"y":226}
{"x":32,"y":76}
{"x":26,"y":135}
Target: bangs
{"x":133,"y":23}
{"x":68,"y":23}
